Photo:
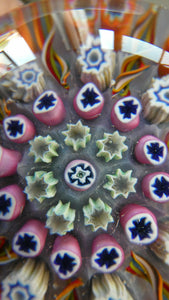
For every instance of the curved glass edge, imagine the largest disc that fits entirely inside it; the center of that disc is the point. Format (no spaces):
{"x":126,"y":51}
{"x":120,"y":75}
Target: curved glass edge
{"x":28,"y":12}
{"x":36,"y":21}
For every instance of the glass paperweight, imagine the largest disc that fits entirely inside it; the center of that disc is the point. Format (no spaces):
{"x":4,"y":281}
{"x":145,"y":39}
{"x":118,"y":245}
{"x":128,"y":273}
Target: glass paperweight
{"x":84,"y":141}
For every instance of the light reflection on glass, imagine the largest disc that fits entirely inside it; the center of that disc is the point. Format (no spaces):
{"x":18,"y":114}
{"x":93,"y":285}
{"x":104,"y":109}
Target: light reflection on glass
{"x":135,"y":46}
{"x":18,"y":50}
{"x":165,"y":59}
{"x":142,"y":48}
{"x":106,"y":38}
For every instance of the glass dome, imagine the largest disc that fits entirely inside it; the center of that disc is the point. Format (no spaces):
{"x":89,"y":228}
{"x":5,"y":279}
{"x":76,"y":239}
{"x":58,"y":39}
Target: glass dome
{"x":84,"y":175}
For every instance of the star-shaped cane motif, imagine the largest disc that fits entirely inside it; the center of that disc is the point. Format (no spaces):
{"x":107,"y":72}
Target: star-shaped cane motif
{"x":141,"y":229}
{"x":107,"y":258}
{"x":66,"y":263}
{"x":15,"y":127}
{"x":26,"y":243}
{"x":161,"y":187}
